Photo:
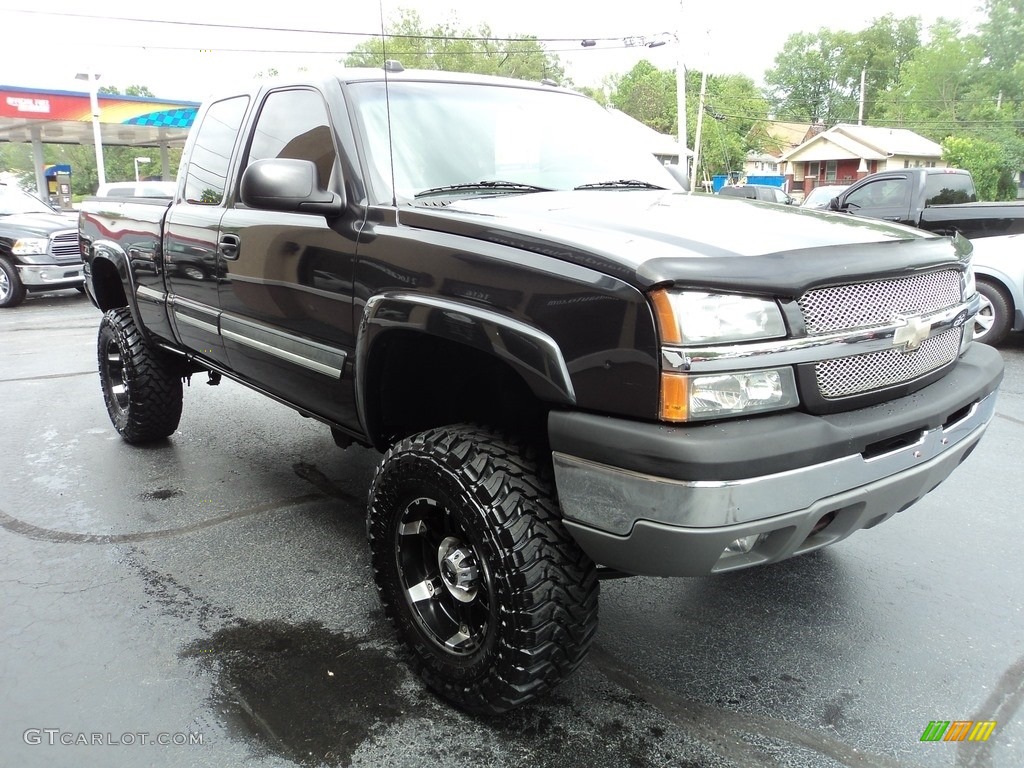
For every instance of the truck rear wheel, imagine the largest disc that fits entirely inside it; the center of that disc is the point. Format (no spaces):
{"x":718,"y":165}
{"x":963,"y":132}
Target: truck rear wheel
{"x":141,"y":389}
{"x":493,"y":600}
{"x":992,"y":323}
{"x":12,"y":291}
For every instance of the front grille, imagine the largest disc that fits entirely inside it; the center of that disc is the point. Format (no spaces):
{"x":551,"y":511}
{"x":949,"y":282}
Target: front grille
{"x":863,"y":305}
{"x":878,"y":370}
{"x":64,"y":247}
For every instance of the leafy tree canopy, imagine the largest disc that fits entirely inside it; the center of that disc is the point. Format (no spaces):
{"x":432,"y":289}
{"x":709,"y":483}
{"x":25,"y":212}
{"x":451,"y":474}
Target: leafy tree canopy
{"x":446,"y":47}
{"x":131,"y":90}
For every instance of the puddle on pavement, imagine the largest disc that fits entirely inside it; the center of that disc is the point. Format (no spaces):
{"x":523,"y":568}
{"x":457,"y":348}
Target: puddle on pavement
{"x":301,"y":691}
{"x":161,"y":494}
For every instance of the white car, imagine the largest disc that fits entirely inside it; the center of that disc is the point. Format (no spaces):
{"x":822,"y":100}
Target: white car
{"x":999,"y":271}
{"x":138,"y":189}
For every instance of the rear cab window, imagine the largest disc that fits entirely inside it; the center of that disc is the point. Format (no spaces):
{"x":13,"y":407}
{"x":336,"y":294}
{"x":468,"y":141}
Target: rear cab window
{"x":946,"y":188}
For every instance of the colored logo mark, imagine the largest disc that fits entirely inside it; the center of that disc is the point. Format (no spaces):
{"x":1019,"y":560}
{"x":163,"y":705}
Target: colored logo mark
{"x":958,"y":730}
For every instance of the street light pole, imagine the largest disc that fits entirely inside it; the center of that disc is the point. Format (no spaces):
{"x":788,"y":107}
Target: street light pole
{"x":97,"y":137}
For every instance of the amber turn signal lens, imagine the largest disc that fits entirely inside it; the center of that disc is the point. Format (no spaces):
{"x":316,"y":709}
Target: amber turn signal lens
{"x":668,"y":325}
{"x":675,"y":397}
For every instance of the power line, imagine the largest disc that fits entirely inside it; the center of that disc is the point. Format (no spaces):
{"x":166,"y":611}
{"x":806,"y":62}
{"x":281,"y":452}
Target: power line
{"x":253,"y":28}
{"x":895,"y":122}
{"x":336,"y":52}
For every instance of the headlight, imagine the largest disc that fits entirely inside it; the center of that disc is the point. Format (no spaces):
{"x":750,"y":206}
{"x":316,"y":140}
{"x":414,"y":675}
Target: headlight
{"x":31,"y":246}
{"x":689,"y":397}
{"x":690,"y":317}
{"x":969,"y":285}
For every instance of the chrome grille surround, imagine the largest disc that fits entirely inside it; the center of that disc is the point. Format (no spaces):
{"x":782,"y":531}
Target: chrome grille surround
{"x":857,"y":374}
{"x":64,"y":247}
{"x":862,"y":305}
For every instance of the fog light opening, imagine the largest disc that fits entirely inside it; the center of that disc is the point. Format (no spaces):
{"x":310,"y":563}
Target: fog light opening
{"x":744,"y":545}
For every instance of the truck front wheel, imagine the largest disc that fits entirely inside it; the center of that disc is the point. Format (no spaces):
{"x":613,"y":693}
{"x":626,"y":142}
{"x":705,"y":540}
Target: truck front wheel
{"x":992,"y":323}
{"x":141,"y":389}
{"x":12,"y":291}
{"x":493,"y":600}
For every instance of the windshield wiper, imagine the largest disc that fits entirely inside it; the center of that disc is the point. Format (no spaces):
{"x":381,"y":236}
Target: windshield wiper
{"x":497,"y":186}
{"x":620,"y":184}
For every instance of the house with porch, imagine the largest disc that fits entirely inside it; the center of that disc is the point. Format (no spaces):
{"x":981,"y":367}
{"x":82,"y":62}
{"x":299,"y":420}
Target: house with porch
{"x":845,"y":153}
{"x":775,"y":139}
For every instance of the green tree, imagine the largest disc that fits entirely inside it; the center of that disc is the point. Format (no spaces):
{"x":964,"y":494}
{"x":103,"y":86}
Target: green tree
{"x":448,"y":48}
{"x":131,"y":90}
{"x":1001,"y":37}
{"x":881,"y":51}
{"x":647,"y":94}
{"x":118,"y":162}
{"x":816,"y":76}
{"x":811,"y":80}
{"x":733,"y":104}
{"x":941,"y":86}
{"x":988,"y":163}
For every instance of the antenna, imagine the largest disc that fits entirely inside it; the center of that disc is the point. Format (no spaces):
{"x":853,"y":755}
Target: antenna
{"x":389,"y":67}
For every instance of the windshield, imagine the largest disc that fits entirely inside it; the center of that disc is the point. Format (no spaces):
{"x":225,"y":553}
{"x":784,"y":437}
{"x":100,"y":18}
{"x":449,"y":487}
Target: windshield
{"x":450,"y":134}
{"x":13,"y":200}
{"x":819,"y":197}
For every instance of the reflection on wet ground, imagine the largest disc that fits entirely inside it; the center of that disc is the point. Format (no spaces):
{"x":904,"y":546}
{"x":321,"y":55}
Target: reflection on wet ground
{"x":303,"y":692}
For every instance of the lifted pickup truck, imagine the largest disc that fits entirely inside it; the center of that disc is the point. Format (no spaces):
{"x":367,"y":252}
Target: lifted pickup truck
{"x":943,"y":200}
{"x":573,"y":368}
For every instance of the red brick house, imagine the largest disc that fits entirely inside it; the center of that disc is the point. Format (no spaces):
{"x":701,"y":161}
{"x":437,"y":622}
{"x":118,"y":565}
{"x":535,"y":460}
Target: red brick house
{"x":844,"y":153}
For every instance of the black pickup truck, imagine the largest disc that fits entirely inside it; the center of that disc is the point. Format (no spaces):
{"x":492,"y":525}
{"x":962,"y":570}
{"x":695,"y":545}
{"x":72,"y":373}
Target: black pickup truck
{"x":940,"y":200}
{"x":38,"y":248}
{"x":573,"y":368}
{"x":943,"y":200}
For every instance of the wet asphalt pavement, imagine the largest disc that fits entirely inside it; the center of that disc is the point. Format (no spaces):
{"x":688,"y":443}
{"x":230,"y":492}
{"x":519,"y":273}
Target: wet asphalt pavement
{"x":216,"y":588}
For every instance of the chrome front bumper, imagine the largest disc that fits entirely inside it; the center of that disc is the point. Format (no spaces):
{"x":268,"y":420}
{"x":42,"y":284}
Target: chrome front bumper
{"x":642,"y":524}
{"x":52,"y":275}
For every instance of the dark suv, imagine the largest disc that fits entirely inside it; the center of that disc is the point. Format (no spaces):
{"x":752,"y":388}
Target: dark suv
{"x":764,"y":192}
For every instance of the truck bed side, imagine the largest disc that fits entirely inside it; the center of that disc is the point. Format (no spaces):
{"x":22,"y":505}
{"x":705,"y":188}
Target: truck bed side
{"x":121,"y":244}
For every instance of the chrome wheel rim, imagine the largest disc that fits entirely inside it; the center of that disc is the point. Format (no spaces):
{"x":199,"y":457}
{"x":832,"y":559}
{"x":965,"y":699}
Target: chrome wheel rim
{"x":985,"y":318}
{"x":116,"y":376}
{"x":445,"y":582}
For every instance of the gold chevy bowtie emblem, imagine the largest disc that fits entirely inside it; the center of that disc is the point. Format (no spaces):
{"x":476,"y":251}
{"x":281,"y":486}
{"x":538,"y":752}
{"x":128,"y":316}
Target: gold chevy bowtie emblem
{"x":912,"y":334}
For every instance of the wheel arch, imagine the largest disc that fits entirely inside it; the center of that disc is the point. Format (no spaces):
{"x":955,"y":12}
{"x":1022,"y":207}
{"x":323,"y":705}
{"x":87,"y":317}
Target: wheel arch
{"x":108,"y":281}
{"x":426,"y":361}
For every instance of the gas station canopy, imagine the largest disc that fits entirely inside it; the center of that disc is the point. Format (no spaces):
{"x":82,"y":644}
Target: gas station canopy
{"x":65,"y":117}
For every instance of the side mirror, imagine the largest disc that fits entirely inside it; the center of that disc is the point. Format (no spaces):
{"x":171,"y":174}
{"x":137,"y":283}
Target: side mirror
{"x":833,"y":204}
{"x":280,"y":184}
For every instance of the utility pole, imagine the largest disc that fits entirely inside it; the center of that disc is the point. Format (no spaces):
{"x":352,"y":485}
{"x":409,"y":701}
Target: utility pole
{"x":860,"y":112}
{"x":700,"y":125}
{"x":681,"y":96}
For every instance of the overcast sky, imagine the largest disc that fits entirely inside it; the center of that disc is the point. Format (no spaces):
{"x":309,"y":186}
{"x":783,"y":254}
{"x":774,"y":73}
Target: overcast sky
{"x":45,"y":44}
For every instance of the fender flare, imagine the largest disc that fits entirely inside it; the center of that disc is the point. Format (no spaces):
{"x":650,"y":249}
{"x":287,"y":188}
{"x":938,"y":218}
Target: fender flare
{"x":507,"y":338}
{"x":108,"y":251}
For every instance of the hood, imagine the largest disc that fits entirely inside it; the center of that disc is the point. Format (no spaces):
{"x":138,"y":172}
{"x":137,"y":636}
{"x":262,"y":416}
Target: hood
{"x":652,"y":237}
{"x":33,"y":224}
